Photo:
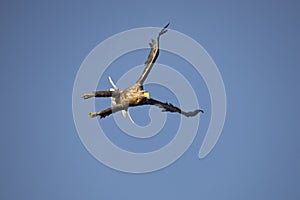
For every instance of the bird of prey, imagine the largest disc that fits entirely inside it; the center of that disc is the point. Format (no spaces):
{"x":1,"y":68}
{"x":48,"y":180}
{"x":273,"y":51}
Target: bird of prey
{"x":136,"y":95}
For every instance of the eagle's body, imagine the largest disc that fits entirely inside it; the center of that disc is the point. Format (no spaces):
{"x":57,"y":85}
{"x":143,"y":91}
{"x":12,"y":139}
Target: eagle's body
{"x":131,"y":96}
{"x":136,"y":95}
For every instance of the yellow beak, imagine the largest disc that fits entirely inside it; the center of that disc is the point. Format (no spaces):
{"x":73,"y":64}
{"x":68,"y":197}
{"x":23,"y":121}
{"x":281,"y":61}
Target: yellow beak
{"x":147,"y":95}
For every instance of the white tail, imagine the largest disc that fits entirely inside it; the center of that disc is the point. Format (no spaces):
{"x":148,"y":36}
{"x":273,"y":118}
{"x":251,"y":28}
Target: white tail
{"x":113,"y":100}
{"x":112,"y":83}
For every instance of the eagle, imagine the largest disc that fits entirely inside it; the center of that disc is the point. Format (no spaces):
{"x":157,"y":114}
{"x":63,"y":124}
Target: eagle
{"x":135,"y":95}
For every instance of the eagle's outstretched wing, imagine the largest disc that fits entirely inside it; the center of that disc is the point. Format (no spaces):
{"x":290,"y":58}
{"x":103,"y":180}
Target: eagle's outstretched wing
{"x":154,"y":44}
{"x":168,"y":107}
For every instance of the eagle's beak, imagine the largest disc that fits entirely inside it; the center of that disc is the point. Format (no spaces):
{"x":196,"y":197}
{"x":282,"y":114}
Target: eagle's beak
{"x":147,"y":95}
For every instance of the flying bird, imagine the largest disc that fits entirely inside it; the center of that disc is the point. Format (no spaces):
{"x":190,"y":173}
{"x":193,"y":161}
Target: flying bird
{"x":136,"y":95}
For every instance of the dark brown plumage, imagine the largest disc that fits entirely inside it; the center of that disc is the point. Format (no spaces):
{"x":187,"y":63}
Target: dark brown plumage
{"x":136,"y":95}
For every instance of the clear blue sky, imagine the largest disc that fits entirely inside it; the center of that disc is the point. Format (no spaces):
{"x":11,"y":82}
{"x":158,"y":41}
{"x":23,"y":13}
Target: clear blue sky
{"x":255,"y":44}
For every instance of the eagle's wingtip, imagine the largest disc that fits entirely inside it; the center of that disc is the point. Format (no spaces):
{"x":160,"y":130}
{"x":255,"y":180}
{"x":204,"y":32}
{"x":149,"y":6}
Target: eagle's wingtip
{"x":166,"y":26}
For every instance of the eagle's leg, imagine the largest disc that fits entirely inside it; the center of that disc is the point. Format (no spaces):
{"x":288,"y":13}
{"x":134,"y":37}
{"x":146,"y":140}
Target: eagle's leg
{"x":98,"y":94}
{"x":107,"y":111}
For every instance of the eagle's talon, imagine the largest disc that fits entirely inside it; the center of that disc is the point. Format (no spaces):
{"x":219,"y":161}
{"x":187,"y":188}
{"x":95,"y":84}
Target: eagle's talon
{"x":87,"y":96}
{"x":93,"y":114}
